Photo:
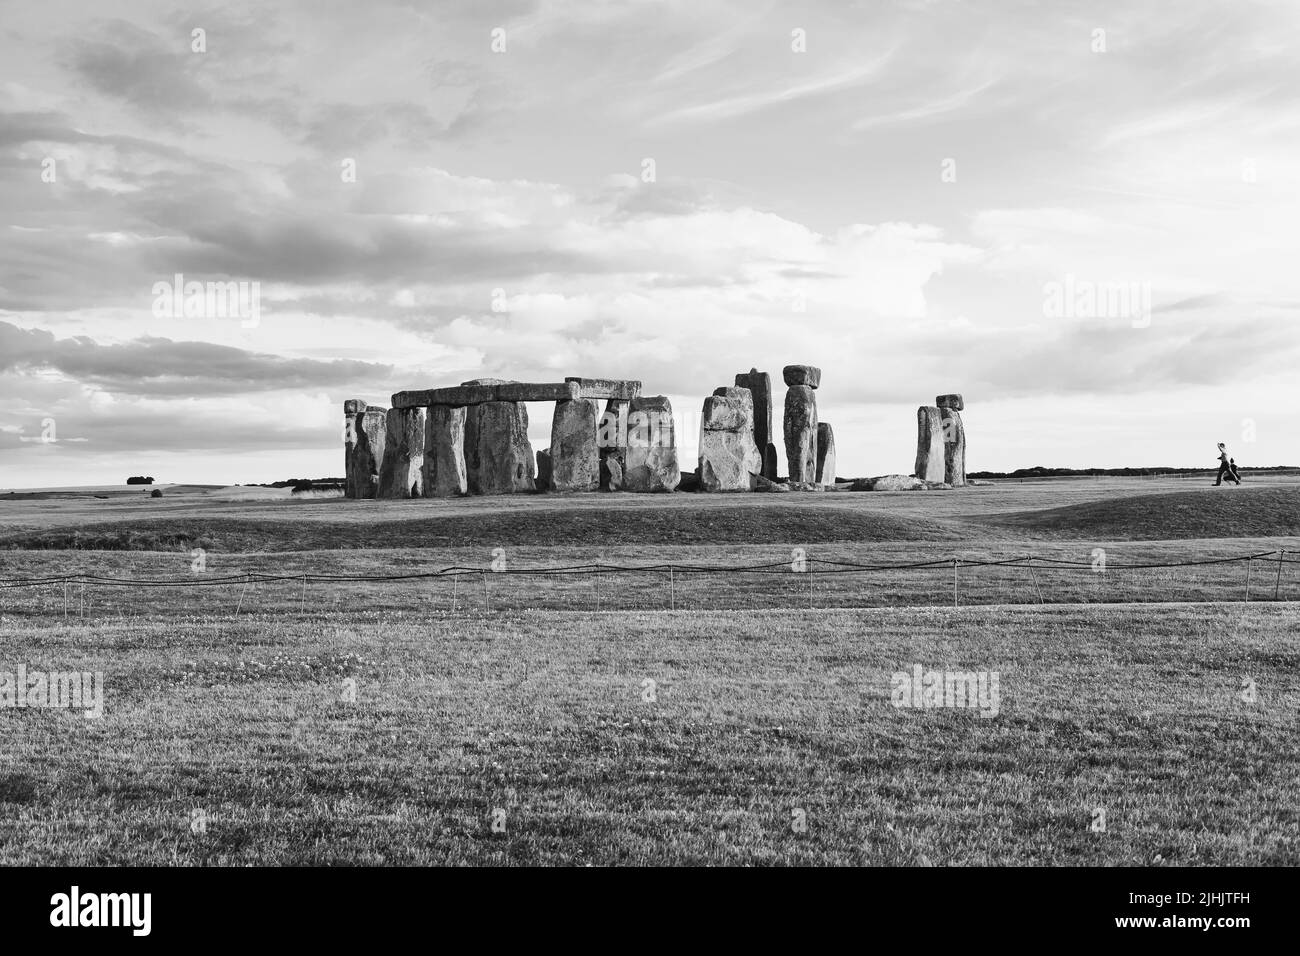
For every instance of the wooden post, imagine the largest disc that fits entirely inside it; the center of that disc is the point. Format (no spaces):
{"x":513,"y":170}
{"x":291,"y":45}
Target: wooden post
{"x":1278,"y":583}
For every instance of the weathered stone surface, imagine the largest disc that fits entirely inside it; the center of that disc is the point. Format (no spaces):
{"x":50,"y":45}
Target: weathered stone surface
{"x":651,"y":463}
{"x":801,"y":432}
{"x":766,"y":484}
{"x":690,"y":481}
{"x":369,"y":432}
{"x":612,"y":388}
{"x":805,"y":486}
{"x":611,"y":438}
{"x":929,"y":444}
{"x":729,"y":461}
{"x":543,"y":480}
{"x":722,"y":414}
{"x":454,"y":395}
{"x":809,"y":375}
{"x":897,"y":483}
{"x":760,"y":388}
{"x":529,"y":392}
{"x":771,"y":462}
{"x":951,"y":401}
{"x":352,"y":407}
{"x":825,"y":454}
{"x":575,"y":458}
{"x":954,"y":446}
{"x":402,"y":472}
{"x":444,"y":452}
{"x":498,"y":457}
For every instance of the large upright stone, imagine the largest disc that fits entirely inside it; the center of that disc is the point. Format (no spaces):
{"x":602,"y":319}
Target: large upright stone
{"x":760,"y":387}
{"x":809,"y":375}
{"x":369,"y":432}
{"x":801,"y":432}
{"x":929,"y":444}
{"x":351,"y":409}
{"x":543,"y":480}
{"x":825,"y":454}
{"x":729,"y":459}
{"x":651,"y":463}
{"x":402,"y":472}
{"x":444,"y":452}
{"x":954,"y":446}
{"x":575,"y":457}
{"x":498,"y":457}
{"x":611,"y":437}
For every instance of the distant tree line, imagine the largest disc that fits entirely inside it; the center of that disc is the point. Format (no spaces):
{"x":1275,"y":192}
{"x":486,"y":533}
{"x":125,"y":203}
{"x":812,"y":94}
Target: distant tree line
{"x":306,"y":484}
{"x":140,"y":480}
{"x":1038,"y":471}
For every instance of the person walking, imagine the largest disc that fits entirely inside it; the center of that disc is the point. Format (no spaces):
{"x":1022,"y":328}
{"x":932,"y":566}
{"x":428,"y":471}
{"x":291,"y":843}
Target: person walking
{"x":1225,"y":467}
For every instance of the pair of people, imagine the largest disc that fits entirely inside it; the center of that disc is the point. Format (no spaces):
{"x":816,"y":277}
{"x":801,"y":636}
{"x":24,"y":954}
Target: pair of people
{"x":1227,"y":467}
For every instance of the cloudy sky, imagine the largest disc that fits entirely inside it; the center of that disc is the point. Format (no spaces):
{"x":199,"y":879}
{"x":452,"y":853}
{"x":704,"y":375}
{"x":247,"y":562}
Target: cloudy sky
{"x":903,"y":193}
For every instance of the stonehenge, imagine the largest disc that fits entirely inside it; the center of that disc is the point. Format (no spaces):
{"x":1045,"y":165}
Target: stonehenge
{"x":729,"y":457}
{"x":954,"y":439}
{"x":929,"y":444}
{"x":825,"y":454}
{"x":401,"y":474}
{"x":472,"y":439}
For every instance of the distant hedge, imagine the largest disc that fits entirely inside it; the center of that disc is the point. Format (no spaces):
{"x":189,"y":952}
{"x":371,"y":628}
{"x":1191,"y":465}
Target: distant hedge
{"x":140,"y":480}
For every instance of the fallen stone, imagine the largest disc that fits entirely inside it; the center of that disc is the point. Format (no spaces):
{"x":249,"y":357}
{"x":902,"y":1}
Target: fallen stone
{"x":825,"y":454}
{"x":575,"y":457}
{"x":801,"y":432}
{"x":929,"y":444}
{"x":774,"y":487}
{"x":760,"y":388}
{"x":444,"y":452}
{"x":954,"y":446}
{"x":498,"y":457}
{"x":897,"y":483}
{"x":951,"y":401}
{"x":809,"y":375}
{"x":401,"y":474}
{"x":651,"y":464}
{"x":623,"y":390}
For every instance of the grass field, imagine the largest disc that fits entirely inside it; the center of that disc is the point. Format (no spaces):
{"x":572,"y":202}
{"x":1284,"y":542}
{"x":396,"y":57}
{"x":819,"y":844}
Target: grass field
{"x":619,"y":718}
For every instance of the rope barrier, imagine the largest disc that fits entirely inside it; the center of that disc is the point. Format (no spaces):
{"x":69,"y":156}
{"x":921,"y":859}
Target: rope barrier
{"x":828,"y":567}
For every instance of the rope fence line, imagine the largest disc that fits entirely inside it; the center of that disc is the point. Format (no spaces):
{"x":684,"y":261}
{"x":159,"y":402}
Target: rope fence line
{"x":1029,"y":562}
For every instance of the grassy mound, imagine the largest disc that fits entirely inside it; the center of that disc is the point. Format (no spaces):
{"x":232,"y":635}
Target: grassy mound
{"x":595,"y":527}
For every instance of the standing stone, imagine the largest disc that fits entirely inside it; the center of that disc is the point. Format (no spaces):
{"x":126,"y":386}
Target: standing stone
{"x":801,"y":432}
{"x":954,"y":446}
{"x":611,"y":437}
{"x":929,"y":444}
{"x":351,"y":409}
{"x":498,"y":457}
{"x":402,"y":471}
{"x":575,"y":457}
{"x":954,"y":402}
{"x":760,"y":387}
{"x":370,"y":430}
{"x":444,"y":452}
{"x":543,"y":471}
{"x":651,"y":463}
{"x":729,"y":459}
{"x":825,"y":454}
{"x":809,"y":375}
